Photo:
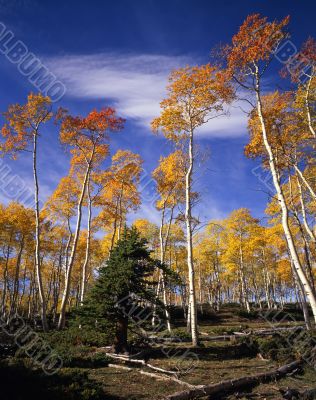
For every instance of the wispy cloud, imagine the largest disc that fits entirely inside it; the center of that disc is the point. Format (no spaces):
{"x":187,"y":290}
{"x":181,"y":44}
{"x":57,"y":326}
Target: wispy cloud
{"x":147,"y":211}
{"x":135,"y":83}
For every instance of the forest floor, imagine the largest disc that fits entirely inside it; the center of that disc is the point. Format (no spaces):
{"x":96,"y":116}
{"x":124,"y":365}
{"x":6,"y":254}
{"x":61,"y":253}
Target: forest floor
{"x":132,"y":385}
{"x":213,"y":362}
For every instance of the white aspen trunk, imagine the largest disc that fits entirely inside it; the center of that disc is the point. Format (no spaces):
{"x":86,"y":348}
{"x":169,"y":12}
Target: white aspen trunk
{"x":16,"y":285}
{"x":308,"y":112}
{"x":154,"y":317}
{"x":200,"y":288}
{"x":266,"y":280}
{"x":299,"y":223}
{"x":303,"y":209}
{"x":114,"y":226}
{"x":65,"y":297}
{"x":189,"y":317}
{"x":218,"y":282}
{"x":118,"y":206}
{"x":5,"y":280}
{"x":188,"y":217}
{"x":162,"y":260}
{"x":280,"y":196}
{"x":244,"y":290}
{"x":37,"y":237}
{"x":165,"y":302}
{"x":87,"y":255}
{"x":301,"y":296}
{"x":120,"y":213}
{"x":256,"y":294}
{"x":68,"y":245}
{"x":23,"y":287}
{"x":310,"y":189}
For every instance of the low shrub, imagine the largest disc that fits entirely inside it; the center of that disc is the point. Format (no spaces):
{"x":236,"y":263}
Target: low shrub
{"x":182,"y":334}
{"x":285,"y":346}
{"x":74,"y":336}
{"x":76,"y":346}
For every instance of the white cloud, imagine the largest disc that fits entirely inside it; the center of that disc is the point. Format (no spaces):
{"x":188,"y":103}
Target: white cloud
{"x":232,"y":125}
{"x":147,"y":211}
{"x":135,"y":83}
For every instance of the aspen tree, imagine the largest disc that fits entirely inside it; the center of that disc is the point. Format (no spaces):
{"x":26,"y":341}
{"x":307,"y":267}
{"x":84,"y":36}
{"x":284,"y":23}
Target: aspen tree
{"x":195,"y":96}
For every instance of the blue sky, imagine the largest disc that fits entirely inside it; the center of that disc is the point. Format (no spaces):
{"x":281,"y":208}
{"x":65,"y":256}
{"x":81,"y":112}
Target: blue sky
{"x":120,"y":53}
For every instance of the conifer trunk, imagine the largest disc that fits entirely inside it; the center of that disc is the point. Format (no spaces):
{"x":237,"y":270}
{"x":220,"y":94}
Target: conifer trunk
{"x":120,"y":344}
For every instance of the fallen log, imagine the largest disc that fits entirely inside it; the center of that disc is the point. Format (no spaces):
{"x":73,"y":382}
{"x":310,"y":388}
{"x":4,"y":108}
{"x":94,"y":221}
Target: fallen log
{"x":152,"y":375}
{"x":127,"y":359}
{"x":176,"y":339}
{"x":122,"y":367}
{"x":275,"y":329}
{"x":167,"y":378}
{"x":224,"y":337}
{"x":232,"y":385}
{"x":260,"y":356}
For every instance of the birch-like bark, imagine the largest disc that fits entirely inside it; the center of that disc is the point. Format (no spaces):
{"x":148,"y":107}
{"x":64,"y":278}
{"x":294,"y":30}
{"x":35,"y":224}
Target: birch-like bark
{"x":87,"y":255}
{"x":118,"y":206}
{"x":244,"y":289}
{"x":161,"y":280}
{"x":37,"y":238}
{"x":200,"y":287}
{"x":304,"y":180}
{"x":68,"y":245}
{"x":65,"y":297}
{"x":218,"y":281}
{"x":16,"y":285}
{"x":301,"y":296}
{"x":266,"y":281}
{"x":303,"y":209}
{"x":188,"y":221}
{"x":281,"y":198}
{"x":307,"y":250}
{"x":114,"y":227}
{"x":154,"y":316}
{"x":23,"y":289}
{"x":5,"y":281}
{"x":307,"y":105}
{"x":162,"y":260}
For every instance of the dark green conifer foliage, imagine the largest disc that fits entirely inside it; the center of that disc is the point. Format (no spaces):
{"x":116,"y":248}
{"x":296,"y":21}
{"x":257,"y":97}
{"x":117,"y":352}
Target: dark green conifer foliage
{"x":124,"y":286}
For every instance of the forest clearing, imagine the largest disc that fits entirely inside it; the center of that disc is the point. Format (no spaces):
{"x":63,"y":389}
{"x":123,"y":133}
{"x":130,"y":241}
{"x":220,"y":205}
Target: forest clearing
{"x":227,"y":357}
{"x":116,"y":280}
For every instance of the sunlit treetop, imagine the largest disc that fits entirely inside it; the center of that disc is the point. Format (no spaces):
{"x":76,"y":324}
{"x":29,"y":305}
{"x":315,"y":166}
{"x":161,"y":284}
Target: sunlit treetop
{"x":302,"y":65}
{"x":195,"y":95}
{"x":97,"y":124}
{"x":23,"y":122}
{"x":255,"y":41}
{"x":88,"y":136}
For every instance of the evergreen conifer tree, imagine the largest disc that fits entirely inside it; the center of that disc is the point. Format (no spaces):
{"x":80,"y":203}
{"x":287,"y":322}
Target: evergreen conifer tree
{"x":125,"y":285}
